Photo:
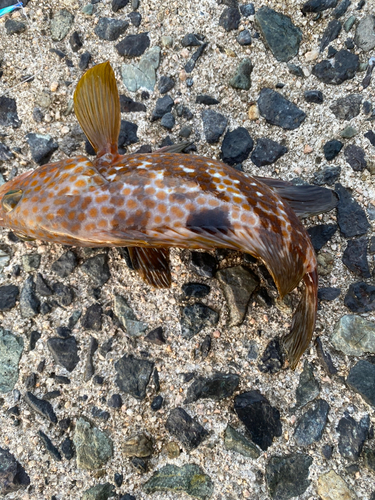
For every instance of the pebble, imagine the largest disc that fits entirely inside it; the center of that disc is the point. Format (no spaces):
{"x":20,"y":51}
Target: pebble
{"x":260,"y":418}
{"x":165,"y":84}
{"x":42,"y":287}
{"x":64,"y":352}
{"x":14,"y":27}
{"x":29,"y":302}
{"x":230,"y":18}
{"x":84,"y":61}
{"x":42,"y":147}
{"x":348,"y":107}
{"x":191,"y":40}
{"x":93,"y":447}
{"x":267,"y":152}
{"x":328,"y":175}
{"x":189,"y":478}
{"x":341,"y":9}
{"x":331,"y":486}
{"x":277,"y":110}
{"x":332,"y":148}
{"x":92,"y":318}
{"x":157,"y":403}
{"x":127,"y":318}
{"x":110,"y":29}
{"x":216,"y":387}
{"x":334,"y":72}
{"x":349,"y":132}
{"x":287,"y":475}
{"x":365,"y":33}
{"x":370,"y":135}
{"x":137,"y":446}
{"x":355,"y":257}
{"x":168,"y":121}
{"x":295,"y":70}
{"x":311,"y":424}
{"x":5,"y":153}
{"x":234,"y":441}
{"x":8,"y":297}
{"x":247,"y":10}
{"x":351,"y":218}
{"x":195,"y":317}
{"x":308,"y":386}
{"x":196,"y":290}
{"x":133,"y":375}
{"x":214,"y":125}
{"x":190,"y":65}
{"x":354,"y":335}
{"x":187,"y":430}
{"x":206,"y":100}
{"x":328,"y":293}
{"x":8,"y":113}
{"x":65,"y":294}
{"x":97,"y":268}
{"x":236,"y":146}
{"x":13,"y":476}
{"x":272,"y":358}
{"x":67,"y":448}
{"x":244,"y":38}
{"x":331,"y":33}
{"x":115,"y":401}
{"x":127,"y":105}
{"x":61,"y":23}
{"x":163,"y":105}
{"x":155,"y":336}
{"x":135,"y":18}
{"x":360,"y":297}
{"x":361,"y":379}
{"x":65,"y":264}
{"x":352,"y":436}
{"x":281,"y":36}
{"x":119,"y":4}
{"x":75,"y":41}
{"x":49,"y":446}
{"x":318,"y":5}
{"x":88,"y":9}
{"x":133,"y":45}
{"x":241,"y":79}
{"x":355,"y":156}
{"x":40,"y":406}
{"x":99,"y":492}
{"x":314,"y":96}
{"x":11,"y":348}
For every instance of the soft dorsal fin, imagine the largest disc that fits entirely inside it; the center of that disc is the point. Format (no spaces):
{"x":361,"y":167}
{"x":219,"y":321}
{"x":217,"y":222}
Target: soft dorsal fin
{"x":152,"y":265}
{"x":97,"y":107}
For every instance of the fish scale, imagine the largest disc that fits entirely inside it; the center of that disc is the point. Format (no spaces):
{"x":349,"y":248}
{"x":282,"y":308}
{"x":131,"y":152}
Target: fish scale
{"x":151,"y":202}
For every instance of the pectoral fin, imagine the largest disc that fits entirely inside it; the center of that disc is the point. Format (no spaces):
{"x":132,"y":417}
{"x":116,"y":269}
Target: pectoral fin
{"x":152,"y":264}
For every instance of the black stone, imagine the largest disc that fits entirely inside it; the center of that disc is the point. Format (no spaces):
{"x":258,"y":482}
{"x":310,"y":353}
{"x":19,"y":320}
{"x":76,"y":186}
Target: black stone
{"x":65,"y":294}
{"x":29,"y":302}
{"x":97,"y":268}
{"x":14,"y":27}
{"x":244,"y":38}
{"x":370,"y":135}
{"x":331,"y":33}
{"x":360,"y":297}
{"x":331,"y":52}
{"x":314,"y":96}
{"x":110,"y":29}
{"x":185,"y":131}
{"x":64,"y":352}
{"x":260,"y":418}
{"x":335,"y":72}
{"x":351,"y":217}
{"x":327,"y":451}
{"x":217,"y":387}
{"x":355,"y":257}
{"x":190,"y":40}
{"x":332,"y":149}
{"x":133,"y":375}
{"x":41,"y":406}
{"x":190,"y":65}
{"x":186,"y":429}
{"x":67,"y":448}
{"x":230,"y":18}
{"x":115,"y":401}
{"x":127,"y":105}
{"x":42,"y":147}
{"x":98,"y":380}
{"x":311,"y":424}
{"x":75,"y":41}
{"x":133,"y":45}
{"x":277,"y":110}
{"x":65,"y":264}
{"x":341,"y":9}
{"x":362,"y":380}
{"x":206,"y":99}
{"x":328,"y":293}
{"x":155,"y":336}
{"x":195,"y":317}
{"x":12,"y":475}
{"x":308,"y":387}
{"x":42,"y":287}
{"x":101,"y":414}
{"x":272,"y":359}
{"x":84,"y":61}
{"x":8,"y":297}
{"x":236,"y":146}
{"x":135,"y":18}
{"x":205,"y":346}
{"x":214,"y":125}
{"x":318,"y":5}
{"x":50,"y":447}
{"x":287,"y":475}
{"x":128,"y":134}
{"x":118,"y":479}
{"x":196,"y":290}
{"x":119,"y":4}
{"x":92,"y":318}
{"x":168,"y":121}
{"x":157,"y":403}
{"x":355,"y":156}
{"x":34,"y":337}
{"x":328,"y":175}
{"x":165,"y":84}
{"x":89,"y":367}
{"x":203,"y":264}
{"x":5,"y":153}
{"x":60,"y":379}
{"x":163,"y":105}
{"x":30,"y":381}
{"x":352,"y":436}
{"x":267,"y":152}
{"x":372,"y":245}
{"x":8,"y":113}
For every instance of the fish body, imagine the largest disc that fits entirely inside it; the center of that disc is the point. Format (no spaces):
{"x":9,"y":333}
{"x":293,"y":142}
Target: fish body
{"x":151,"y":202}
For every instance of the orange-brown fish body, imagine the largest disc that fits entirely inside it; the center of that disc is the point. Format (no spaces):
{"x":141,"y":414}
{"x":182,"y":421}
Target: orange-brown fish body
{"x":163,"y":200}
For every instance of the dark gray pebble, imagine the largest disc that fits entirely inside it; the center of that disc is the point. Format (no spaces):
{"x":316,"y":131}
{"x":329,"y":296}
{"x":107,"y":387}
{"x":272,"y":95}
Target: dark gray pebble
{"x":84,"y":61}
{"x":42,"y":147}
{"x":49,"y":446}
{"x":217,"y":387}
{"x":236,"y":146}
{"x":63,"y":332}
{"x":327,"y":451}
{"x":165,"y":84}
{"x":287,"y":475}
{"x":65,"y":264}
{"x":351,"y":217}
{"x":12,"y":475}
{"x":272,"y":358}
{"x":190,"y":65}
{"x":355,"y":257}
{"x":75,"y":41}
{"x":92,"y":318}
{"x":34,"y":337}
{"x":67,"y":448}
{"x":168,"y":121}
{"x":110,"y":29}
{"x":206,"y":99}
{"x":310,"y":426}
{"x":360,"y":297}
{"x":341,"y":9}
{"x":295,"y":70}
{"x":30,"y":381}
{"x":318,"y":5}
{"x":31,"y":261}
{"x":133,"y":45}
{"x":41,"y":406}
{"x":14,"y":27}
{"x":214,"y":125}
{"x":135,"y":19}
{"x":29,"y":302}
{"x":196,"y":290}
{"x":362,"y":379}
{"x":184,"y":112}
{"x":42,"y":287}
{"x":60,"y":379}
{"x":127,"y":105}
{"x":97,"y":268}
{"x":281,"y":36}
{"x":352,"y":436}
{"x":64,"y":352}
{"x":328,"y":293}
{"x":8,"y":113}
{"x":64,"y":293}
{"x":355,"y":156}
{"x":8,"y":297}
{"x":128,"y":134}
{"x":370,"y":135}
{"x":260,"y":418}
{"x":328,"y":175}
{"x":277,"y":110}
{"x":342,"y":68}
{"x":247,"y":9}
{"x":133,"y":375}
{"x":244,"y":38}
{"x":308,"y":386}
{"x":348,"y":107}
{"x":118,"y":479}
{"x":331,"y":33}
{"x":230,"y":18}
{"x":5,"y":153}
{"x":163,"y":105}
{"x":155,"y":336}
{"x":118,"y":4}
{"x":314,"y":96}
{"x":191,"y":40}
{"x":89,"y":367}
{"x":241,"y":79}
{"x":101,"y":414}
{"x":195,"y":317}
{"x":115,"y":401}
{"x":157,"y":403}
{"x":186,"y":429}
{"x":267,"y":152}
{"x":332,"y":148}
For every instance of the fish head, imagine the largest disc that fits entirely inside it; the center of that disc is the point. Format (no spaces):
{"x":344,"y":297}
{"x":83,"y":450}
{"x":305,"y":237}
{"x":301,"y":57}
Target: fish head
{"x":11,"y":194}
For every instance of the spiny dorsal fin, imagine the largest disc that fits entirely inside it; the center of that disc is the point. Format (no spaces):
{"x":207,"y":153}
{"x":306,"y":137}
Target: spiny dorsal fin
{"x":152,"y":265}
{"x":175,"y":148}
{"x":97,"y":107}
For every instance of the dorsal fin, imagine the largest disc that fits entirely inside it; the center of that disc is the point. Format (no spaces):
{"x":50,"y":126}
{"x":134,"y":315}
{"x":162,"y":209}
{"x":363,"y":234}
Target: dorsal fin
{"x":152,"y":264}
{"x":97,"y":107}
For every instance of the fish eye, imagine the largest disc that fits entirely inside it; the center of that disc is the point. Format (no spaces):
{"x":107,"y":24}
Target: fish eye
{"x":11,"y":199}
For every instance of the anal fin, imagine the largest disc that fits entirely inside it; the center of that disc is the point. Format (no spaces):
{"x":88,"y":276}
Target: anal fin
{"x":152,"y":265}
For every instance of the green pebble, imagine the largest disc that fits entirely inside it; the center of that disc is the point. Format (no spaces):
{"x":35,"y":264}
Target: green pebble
{"x":88,"y":9}
{"x":349,"y":23}
{"x":349,"y":132}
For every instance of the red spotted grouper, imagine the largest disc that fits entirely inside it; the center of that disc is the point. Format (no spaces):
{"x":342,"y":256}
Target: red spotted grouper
{"x":152,"y":202}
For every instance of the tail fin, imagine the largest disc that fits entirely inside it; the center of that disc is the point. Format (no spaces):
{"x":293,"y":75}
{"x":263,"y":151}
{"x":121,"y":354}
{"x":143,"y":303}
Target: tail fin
{"x":303,"y":323}
{"x":97,"y":107}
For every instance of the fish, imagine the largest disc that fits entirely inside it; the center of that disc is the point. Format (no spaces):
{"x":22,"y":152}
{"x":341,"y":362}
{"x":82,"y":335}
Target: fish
{"x":151,"y":202}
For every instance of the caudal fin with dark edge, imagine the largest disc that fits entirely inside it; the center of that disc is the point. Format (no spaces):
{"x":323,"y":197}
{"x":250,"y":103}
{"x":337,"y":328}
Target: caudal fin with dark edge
{"x":97,"y":107}
{"x":303,"y":322}
{"x":152,"y":265}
